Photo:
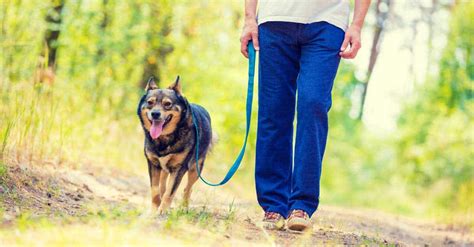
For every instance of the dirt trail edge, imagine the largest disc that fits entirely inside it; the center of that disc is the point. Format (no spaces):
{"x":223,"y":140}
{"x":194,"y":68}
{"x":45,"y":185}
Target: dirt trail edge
{"x":52,"y":191}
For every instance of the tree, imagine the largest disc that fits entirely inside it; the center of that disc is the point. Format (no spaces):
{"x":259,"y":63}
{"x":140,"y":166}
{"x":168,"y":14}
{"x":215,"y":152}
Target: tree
{"x":157,"y":39}
{"x":52,"y":33}
{"x":382,"y":10}
{"x":435,"y":138}
{"x":47,"y":65}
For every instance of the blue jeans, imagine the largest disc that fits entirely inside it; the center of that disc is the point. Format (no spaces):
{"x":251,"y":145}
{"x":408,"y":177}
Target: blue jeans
{"x":294,"y":58}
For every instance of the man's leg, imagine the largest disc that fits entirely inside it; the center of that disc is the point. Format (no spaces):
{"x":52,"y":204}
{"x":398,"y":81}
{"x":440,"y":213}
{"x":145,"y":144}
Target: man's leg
{"x":319,"y":62}
{"x":278,"y":70}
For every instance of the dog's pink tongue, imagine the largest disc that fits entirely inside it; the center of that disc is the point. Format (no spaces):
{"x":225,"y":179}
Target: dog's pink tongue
{"x":156,"y":128}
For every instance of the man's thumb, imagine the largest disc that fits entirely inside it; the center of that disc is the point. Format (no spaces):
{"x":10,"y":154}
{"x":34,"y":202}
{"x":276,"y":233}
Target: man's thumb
{"x":255,"y":41}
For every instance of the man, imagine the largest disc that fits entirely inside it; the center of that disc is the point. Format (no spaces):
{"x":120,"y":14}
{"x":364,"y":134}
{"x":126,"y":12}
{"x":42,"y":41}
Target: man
{"x":300,"y":43}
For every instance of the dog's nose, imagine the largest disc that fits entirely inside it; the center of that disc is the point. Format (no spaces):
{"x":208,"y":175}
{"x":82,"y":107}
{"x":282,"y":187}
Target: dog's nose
{"x":155,"y":115}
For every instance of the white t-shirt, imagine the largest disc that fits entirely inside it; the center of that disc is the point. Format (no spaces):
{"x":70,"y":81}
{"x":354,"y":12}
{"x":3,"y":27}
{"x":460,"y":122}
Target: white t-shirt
{"x":335,"y":12}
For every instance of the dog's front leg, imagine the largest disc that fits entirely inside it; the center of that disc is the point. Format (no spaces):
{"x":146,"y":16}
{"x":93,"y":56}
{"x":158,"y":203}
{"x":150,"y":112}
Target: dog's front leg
{"x":163,"y":178}
{"x":174,"y":180}
{"x":154,"y":172}
{"x":192,"y":178}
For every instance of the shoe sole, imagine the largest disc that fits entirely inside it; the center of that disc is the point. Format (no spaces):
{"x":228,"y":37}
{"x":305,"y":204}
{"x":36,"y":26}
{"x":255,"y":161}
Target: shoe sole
{"x":298,"y":225}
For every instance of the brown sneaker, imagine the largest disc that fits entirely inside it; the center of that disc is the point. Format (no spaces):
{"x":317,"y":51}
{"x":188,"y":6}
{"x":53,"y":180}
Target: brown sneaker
{"x":273,"y":221}
{"x":298,"y":220}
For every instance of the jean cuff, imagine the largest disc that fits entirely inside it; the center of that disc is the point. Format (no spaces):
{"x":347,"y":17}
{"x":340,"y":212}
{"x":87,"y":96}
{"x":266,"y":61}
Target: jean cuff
{"x":309,"y":209}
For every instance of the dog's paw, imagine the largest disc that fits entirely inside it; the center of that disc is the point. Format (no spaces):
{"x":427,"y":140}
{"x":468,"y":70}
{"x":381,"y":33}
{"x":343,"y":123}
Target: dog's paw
{"x":184,"y":204}
{"x":162,"y":211}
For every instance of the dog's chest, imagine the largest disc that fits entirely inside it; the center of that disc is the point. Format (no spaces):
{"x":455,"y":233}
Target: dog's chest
{"x":165,"y":162}
{"x":168,"y":162}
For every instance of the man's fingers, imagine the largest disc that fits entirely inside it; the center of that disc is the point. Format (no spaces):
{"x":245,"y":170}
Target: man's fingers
{"x":352,"y":52}
{"x":243,"y":46}
{"x":345,"y":53}
{"x":244,"y":41}
{"x":344,"y":47}
{"x":354,"y":49}
{"x":255,"y":41}
{"x":345,"y":43}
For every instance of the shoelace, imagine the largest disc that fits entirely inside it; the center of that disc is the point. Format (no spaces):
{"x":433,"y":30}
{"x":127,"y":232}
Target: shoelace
{"x":272,"y":216}
{"x":299,"y":213}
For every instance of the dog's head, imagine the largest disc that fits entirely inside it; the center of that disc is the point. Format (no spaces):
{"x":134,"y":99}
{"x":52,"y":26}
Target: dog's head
{"x":161,"y":110}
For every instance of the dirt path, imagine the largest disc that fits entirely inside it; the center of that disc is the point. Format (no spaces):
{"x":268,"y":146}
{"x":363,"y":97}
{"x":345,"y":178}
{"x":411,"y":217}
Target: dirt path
{"x":57,"y":191}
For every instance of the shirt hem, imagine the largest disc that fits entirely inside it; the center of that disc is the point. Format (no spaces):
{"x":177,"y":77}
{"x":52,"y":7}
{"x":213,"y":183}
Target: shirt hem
{"x":302,"y":20}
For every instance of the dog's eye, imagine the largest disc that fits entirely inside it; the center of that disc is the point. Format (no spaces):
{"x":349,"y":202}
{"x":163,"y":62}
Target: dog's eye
{"x":167,"y":104}
{"x":150,"y":102}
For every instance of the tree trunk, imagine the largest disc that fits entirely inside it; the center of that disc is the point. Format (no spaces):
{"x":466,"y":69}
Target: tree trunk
{"x":381,"y":14}
{"x":45,"y":71}
{"x":160,"y":47}
{"x":54,"y":19}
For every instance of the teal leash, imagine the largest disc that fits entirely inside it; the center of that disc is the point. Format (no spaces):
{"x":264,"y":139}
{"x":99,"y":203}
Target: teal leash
{"x":235,"y":166}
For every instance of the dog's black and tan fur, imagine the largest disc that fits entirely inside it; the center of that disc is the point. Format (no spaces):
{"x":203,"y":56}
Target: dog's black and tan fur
{"x":172,"y":153}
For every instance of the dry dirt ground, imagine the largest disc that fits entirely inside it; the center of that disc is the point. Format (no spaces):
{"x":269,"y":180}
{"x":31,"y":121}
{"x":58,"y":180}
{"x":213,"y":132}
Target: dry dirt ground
{"x":69,"y":198}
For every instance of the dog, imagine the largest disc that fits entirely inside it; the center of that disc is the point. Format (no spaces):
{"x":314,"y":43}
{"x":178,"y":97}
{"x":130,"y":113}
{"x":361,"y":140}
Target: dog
{"x":170,"y":141}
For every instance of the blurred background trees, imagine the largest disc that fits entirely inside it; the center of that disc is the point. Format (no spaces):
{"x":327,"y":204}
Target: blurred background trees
{"x":72,"y":73}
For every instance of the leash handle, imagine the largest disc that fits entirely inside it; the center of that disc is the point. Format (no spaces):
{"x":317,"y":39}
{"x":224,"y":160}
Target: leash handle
{"x":238,"y":160}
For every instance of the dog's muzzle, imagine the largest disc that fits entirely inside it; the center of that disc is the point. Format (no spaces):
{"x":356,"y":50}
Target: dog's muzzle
{"x":155,"y":115}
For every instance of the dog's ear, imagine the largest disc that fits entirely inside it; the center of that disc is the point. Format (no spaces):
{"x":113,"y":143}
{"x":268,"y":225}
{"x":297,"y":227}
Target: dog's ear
{"x":176,"y":86}
{"x":186,"y":103}
{"x":187,"y":106}
{"x":151,"y":84}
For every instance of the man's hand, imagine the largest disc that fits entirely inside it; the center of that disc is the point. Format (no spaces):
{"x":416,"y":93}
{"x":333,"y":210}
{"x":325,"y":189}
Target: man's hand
{"x":250,"y":32}
{"x":352,"y":38}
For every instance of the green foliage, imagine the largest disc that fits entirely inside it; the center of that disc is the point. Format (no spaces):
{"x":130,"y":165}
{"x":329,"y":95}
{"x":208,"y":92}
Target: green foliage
{"x":454,"y":87}
{"x":435,"y":145}
{"x":21,"y":37}
{"x":89,"y":108}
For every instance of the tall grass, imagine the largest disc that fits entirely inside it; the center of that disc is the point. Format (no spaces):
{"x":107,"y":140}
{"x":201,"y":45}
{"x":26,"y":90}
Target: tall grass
{"x":42,"y":122}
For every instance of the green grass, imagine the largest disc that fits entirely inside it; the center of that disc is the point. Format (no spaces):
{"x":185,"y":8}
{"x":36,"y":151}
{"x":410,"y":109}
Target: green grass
{"x":5,"y":136}
{"x":117,"y":225}
{"x":3,"y":178}
{"x":3,"y":171}
{"x":200,"y":216}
